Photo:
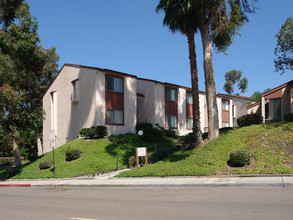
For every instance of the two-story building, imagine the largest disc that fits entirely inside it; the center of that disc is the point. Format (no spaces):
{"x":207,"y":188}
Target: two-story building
{"x":82,"y":96}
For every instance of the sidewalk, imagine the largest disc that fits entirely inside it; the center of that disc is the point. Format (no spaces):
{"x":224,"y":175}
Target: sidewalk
{"x":108,"y":180}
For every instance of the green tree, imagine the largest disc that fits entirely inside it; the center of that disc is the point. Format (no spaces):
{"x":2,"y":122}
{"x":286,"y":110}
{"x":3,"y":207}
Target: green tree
{"x":218,"y":21}
{"x":25,"y":66}
{"x":232,"y":77}
{"x":12,"y":103}
{"x":255,"y":97}
{"x":284,"y":48}
{"x":177,"y":18}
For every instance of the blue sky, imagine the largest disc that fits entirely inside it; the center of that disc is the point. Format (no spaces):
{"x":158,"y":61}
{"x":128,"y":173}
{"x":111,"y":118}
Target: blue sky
{"x":129,"y":36}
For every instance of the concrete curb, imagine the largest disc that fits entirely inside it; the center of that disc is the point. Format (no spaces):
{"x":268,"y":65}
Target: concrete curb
{"x":239,"y":182}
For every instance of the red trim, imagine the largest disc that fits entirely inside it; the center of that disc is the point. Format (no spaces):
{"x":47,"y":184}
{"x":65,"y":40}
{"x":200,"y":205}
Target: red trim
{"x":277,"y":88}
{"x":225,"y":112}
{"x":253,"y":105}
{"x":232,"y":96}
{"x":115,"y":101}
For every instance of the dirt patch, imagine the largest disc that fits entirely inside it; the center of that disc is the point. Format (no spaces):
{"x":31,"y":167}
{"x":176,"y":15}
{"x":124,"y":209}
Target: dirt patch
{"x":289,"y":148}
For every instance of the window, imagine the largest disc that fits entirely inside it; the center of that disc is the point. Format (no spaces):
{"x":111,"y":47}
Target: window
{"x":114,"y":98}
{"x":225,"y":105}
{"x":189,"y":98}
{"x":233,"y":111}
{"x":75,"y":90}
{"x":171,"y":94}
{"x":114,"y":84}
{"x":114,"y":116}
{"x":226,"y":124}
{"x":273,"y":109}
{"x":54,"y":111}
{"x":171,"y":121}
{"x":189,"y":123}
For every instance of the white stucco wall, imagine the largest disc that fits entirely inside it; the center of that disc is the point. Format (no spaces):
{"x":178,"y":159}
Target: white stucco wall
{"x":159,"y":104}
{"x":145,"y":111}
{"x":90,"y":110}
{"x":219,"y":104}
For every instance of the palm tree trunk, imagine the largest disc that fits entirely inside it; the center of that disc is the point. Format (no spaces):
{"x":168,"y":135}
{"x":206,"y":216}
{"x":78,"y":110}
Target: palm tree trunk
{"x":16,"y":155}
{"x":39,"y":143}
{"x":213,"y":119}
{"x":197,"y":135}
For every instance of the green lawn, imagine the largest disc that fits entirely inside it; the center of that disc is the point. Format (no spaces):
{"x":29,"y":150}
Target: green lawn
{"x":271,"y":146}
{"x":97,"y":156}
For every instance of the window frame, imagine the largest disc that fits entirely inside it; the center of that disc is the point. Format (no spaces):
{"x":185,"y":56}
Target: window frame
{"x":172,"y":102}
{"x":113,"y":93}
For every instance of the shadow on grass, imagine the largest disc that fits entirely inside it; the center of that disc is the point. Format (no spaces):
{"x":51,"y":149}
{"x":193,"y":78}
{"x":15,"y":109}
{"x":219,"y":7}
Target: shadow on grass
{"x":13,"y":171}
{"x":177,"y":157}
{"x":128,"y":149}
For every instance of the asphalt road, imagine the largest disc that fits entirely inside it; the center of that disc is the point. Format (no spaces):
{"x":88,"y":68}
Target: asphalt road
{"x":146,"y":203}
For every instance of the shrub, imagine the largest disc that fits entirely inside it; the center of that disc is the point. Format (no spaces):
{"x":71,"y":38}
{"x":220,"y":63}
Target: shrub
{"x":86,"y":133}
{"x":118,"y":139}
{"x":167,"y":133}
{"x":239,"y":158}
{"x":12,"y":171}
{"x":44,"y":164}
{"x":132,"y":162}
{"x":102,"y":131}
{"x":6,"y":161}
{"x":32,"y":157}
{"x":142,"y":126}
{"x":94,"y":132}
{"x":288,"y":117}
{"x":152,"y":135}
{"x":72,"y":154}
{"x":250,"y":119}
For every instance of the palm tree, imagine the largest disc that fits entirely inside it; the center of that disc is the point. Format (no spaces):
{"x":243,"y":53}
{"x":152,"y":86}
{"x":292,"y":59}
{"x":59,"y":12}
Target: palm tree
{"x":178,"y":18}
{"x":218,"y":21}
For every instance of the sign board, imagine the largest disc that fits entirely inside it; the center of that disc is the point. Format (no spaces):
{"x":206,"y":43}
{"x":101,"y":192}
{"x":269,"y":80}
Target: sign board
{"x":52,"y":138}
{"x":141,"y":151}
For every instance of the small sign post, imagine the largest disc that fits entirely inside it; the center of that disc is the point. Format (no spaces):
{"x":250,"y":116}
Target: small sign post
{"x":141,"y":152}
{"x":52,"y":143}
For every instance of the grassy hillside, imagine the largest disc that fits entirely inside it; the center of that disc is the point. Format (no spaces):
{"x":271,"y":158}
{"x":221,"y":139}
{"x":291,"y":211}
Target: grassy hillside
{"x":271,"y":146}
{"x":97,"y":156}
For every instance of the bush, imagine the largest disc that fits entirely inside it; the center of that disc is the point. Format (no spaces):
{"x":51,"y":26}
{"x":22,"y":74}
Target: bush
{"x":152,"y":135}
{"x":94,"y":132}
{"x":132,"y":162}
{"x":102,"y":131}
{"x":167,"y":133}
{"x":239,"y":158}
{"x":119,"y":139}
{"x":32,"y":157}
{"x":44,"y":164}
{"x":72,"y":154}
{"x":12,"y":171}
{"x":86,"y":133}
{"x":250,"y":119}
{"x":142,"y":126}
{"x":288,"y":117}
{"x":6,"y":161}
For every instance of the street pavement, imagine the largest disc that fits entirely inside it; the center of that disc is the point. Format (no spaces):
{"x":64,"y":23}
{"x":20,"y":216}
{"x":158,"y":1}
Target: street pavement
{"x":108,"y":180}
